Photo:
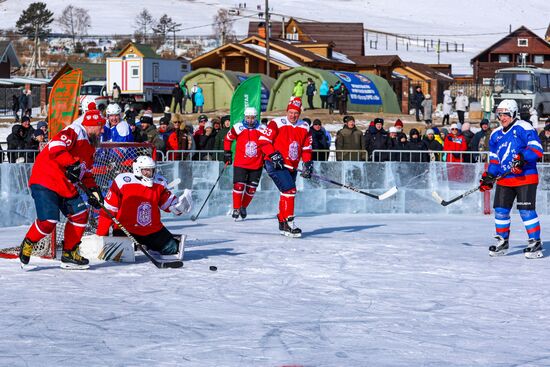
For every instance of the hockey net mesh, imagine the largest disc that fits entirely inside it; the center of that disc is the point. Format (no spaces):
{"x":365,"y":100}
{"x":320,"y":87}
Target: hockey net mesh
{"x":110,"y":159}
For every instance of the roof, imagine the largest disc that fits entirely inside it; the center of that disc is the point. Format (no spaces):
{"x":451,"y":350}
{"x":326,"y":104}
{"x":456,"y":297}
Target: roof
{"x":7,"y":52}
{"x":376,"y":60}
{"x":275,"y":55}
{"x":90,"y":71}
{"x":23,"y":80}
{"x":348,"y":38}
{"x":547,"y":35}
{"x":145,"y":50}
{"x":428,"y":71}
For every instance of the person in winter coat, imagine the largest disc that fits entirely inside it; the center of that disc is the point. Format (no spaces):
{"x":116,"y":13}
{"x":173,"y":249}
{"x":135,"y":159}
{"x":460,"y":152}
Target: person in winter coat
{"x":349,"y":138}
{"x":23,"y":99}
{"x":469,"y":135}
{"x":487,"y":105}
{"x":206,"y":141}
{"x":37,"y":138}
{"x":199,"y":100}
{"x":544,"y":137}
{"x":149,"y":132}
{"x":298,"y":90}
{"x":28,"y":130}
{"x":427,"y":107}
{"x":432,"y":145}
{"x":343,"y":99}
{"x":116,"y":93}
{"x":194,"y":90}
{"x":16,"y":141}
{"x":323,"y":93}
{"x":534,"y":118}
{"x":417,"y":100}
{"x":319,"y":141}
{"x":437,"y":135}
{"x":185,"y":93}
{"x":220,"y":136}
{"x":461,"y":105}
{"x":177,"y":99}
{"x":15,"y":107}
{"x":179,"y":139}
{"x":447,"y":107}
{"x":376,"y":138}
{"x":332,"y":99}
{"x":416,"y":143}
{"x":480,"y":141}
{"x":166,"y":128}
{"x":402,"y":144}
{"x":29,"y":103}
{"x":310,"y":92}
{"x":455,"y":142}
{"x":393,"y":143}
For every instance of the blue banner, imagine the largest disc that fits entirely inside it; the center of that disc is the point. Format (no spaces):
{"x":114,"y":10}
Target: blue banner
{"x":264,"y":93}
{"x":361,"y":88}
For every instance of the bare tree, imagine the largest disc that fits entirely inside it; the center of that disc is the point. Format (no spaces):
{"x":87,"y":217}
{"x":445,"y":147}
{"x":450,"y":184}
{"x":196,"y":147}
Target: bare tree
{"x":75,"y":21}
{"x":144,"y":22}
{"x":223,"y":26}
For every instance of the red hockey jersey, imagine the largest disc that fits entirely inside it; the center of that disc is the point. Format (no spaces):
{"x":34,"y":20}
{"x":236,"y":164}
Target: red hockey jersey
{"x":247,"y":152}
{"x":136,"y":206}
{"x":292,"y":141}
{"x":69,"y":146}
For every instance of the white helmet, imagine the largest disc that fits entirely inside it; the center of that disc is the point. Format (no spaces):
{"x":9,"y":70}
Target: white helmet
{"x":140,"y":163}
{"x":250,"y":111}
{"x":113,"y":109}
{"x":509,"y":107}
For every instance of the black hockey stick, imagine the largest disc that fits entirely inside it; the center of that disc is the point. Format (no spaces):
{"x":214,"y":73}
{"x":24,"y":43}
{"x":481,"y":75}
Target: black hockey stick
{"x":440,"y":200}
{"x":157,"y":263}
{"x":383,"y":196}
{"x":196,"y":216}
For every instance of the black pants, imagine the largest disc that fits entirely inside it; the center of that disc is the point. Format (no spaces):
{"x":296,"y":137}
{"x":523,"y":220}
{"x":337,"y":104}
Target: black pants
{"x":460,"y":116}
{"x":247,"y":176}
{"x":323,"y":101}
{"x":526,"y":197}
{"x":343,"y":107}
{"x":445,"y":118}
{"x":310,"y":102}
{"x":418,"y":110}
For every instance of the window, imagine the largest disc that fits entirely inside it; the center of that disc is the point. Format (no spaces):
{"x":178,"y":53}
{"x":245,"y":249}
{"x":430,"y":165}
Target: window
{"x":135,"y":71}
{"x":503,"y":58}
{"x":538,"y":59}
{"x":487,"y":81}
{"x":523,"y":42}
{"x":544,"y":81}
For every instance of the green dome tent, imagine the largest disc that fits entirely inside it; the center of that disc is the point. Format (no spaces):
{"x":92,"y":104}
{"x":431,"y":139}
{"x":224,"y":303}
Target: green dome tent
{"x":218,"y":86}
{"x":367,"y":92}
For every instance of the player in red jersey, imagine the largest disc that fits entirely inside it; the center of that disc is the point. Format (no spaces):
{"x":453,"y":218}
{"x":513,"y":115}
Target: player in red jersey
{"x":66,"y":160}
{"x":135,"y":199}
{"x":247,"y":168}
{"x":284,"y":141}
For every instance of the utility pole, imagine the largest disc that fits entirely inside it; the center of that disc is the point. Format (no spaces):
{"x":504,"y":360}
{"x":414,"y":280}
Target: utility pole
{"x":175,"y":28}
{"x":267,"y":36}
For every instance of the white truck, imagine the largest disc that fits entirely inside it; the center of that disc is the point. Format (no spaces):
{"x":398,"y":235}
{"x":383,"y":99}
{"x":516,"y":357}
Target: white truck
{"x":145,"y":79}
{"x":93,"y":91}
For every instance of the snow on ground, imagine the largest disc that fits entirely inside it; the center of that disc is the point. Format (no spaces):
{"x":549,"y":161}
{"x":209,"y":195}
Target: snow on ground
{"x":357,"y":290}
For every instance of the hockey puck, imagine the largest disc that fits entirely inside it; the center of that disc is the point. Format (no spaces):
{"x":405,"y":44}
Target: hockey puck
{"x":213,"y":268}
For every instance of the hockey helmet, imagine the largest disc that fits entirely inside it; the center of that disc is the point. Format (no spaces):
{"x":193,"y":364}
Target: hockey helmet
{"x":250,"y":111}
{"x":113,"y":109}
{"x":143,"y":162}
{"x":508,"y":107}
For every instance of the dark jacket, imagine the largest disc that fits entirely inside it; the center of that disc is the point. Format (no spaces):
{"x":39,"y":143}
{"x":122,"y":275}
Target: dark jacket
{"x":319,"y":142}
{"x":397,"y":144}
{"x":376,"y":140}
{"x":310,"y":90}
{"x":417,"y":144}
{"x":205,"y":142}
{"x":332,"y":98}
{"x":433,"y":145}
{"x":343,"y":94}
{"x":16,"y":142}
{"x":545,"y":145}
{"x":349,"y":139}
{"x":177,"y":93}
{"x":418,"y":98}
{"x":151,"y":135}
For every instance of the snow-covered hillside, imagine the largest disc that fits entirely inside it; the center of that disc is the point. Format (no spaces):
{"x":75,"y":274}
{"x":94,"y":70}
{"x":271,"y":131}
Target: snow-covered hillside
{"x":476,"y":24}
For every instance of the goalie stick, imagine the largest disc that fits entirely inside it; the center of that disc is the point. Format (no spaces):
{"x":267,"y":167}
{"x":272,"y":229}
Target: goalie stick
{"x":383,"y":196}
{"x":158,"y":263}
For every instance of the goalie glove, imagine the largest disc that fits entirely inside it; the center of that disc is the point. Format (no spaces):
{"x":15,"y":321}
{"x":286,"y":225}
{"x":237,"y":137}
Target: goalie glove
{"x":184,"y":204}
{"x":96,"y":198}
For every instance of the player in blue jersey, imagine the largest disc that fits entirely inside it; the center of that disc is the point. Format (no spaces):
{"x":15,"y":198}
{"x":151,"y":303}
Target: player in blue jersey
{"x":514,"y":151}
{"x":116,"y":129}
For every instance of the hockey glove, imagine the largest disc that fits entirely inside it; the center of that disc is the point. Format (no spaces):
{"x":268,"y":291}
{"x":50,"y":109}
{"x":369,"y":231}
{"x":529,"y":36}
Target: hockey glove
{"x":96,"y":198}
{"x":277,"y":160}
{"x":307,"y":169}
{"x":487,"y":181}
{"x":73,"y":172}
{"x":184,"y":204}
{"x":228,"y":157}
{"x":517,"y":164}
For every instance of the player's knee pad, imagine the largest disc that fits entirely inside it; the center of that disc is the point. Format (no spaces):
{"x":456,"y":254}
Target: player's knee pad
{"x":239,"y":187}
{"x":289,"y":193}
{"x":250,"y":190}
{"x":502,"y":213}
{"x":45,"y":227}
{"x":79,"y":219}
{"x":527,"y":214}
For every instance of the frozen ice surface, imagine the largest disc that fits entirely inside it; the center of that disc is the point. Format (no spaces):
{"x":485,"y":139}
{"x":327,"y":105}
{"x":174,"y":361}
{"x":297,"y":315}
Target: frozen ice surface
{"x":356,"y":290}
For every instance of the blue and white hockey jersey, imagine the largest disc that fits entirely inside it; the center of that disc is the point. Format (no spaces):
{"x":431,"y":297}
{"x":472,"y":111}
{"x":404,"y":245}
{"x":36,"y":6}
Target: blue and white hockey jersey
{"x":522,"y":138}
{"x":120,"y":133}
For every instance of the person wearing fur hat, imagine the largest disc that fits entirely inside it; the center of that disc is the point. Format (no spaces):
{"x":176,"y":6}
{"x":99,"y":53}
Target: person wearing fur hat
{"x":60,"y":167}
{"x":427,"y":107}
{"x":284,"y":142}
{"x":349,"y":137}
{"x":179,"y":139}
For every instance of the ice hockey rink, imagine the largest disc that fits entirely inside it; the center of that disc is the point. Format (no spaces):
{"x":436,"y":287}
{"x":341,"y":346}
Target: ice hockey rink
{"x":356,"y":290}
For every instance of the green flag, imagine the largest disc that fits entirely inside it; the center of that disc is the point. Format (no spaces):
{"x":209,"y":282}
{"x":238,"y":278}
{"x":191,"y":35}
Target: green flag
{"x":247,"y":94}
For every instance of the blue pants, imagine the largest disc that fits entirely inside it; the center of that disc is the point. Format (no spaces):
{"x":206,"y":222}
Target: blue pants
{"x":48,"y":203}
{"x":284,"y":179}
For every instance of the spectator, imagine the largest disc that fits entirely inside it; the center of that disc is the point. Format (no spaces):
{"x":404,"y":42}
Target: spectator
{"x":416,"y":143}
{"x":199,"y":100}
{"x":427,"y":110}
{"x":298,"y":90}
{"x":194,"y":90}
{"x":544,"y":137}
{"x":166,"y":128}
{"x":37,"y":138}
{"x":203,"y":119}
{"x":399,"y":125}
{"x":216,"y":125}
{"x":185,"y":93}
{"x":437,"y":136}
{"x":311,"y":89}
{"x":43,"y":125}
{"x":393,"y":143}
{"x":28,"y":130}
{"x":455,"y":142}
{"x":331,"y":100}
{"x":432,"y":145}
{"x":376,"y":138}
{"x":206,"y":142}
{"x":447,"y":107}
{"x":177,"y":99}
{"x":461,"y":105}
{"x":28,"y":110}
{"x":487,"y":105}
{"x":179,"y":139}
{"x":402,"y":144}
{"x":417,"y":100}
{"x":220,"y":136}
{"x":534,"y":118}
{"x":116,"y":93}
{"x":468,"y":135}
{"x":149,"y":132}
{"x":319,"y":141}
{"x":349,"y":138}
{"x":130,"y":114}
{"x":15,"y":107}
{"x":23,"y":102}
{"x":343,"y":99}
{"x":16,"y":141}
{"x":136,"y":132}
{"x":323,"y":93}
{"x":307,"y":120}
{"x":480,"y":141}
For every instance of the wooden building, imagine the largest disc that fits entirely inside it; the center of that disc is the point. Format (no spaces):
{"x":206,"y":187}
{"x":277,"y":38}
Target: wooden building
{"x":8,"y":59}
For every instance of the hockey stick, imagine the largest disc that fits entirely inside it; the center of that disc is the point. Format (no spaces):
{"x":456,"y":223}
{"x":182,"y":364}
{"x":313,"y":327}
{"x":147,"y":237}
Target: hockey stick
{"x":196,"y":216}
{"x":157,"y":263}
{"x":174,"y":183}
{"x":383,"y":196}
{"x":440,"y":200}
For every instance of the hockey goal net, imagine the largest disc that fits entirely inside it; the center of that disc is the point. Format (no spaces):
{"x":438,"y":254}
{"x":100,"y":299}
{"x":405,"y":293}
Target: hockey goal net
{"x":110,"y":159}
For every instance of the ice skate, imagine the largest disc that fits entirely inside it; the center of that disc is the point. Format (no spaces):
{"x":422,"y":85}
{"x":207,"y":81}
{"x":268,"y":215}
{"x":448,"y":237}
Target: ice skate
{"x":289,"y":229}
{"x":500,"y":248}
{"x":25,"y":251}
{"x":533,"y":249}
{"x":235,"y":214}
{"x":71,"y":260}
{"x":243,"y":212}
